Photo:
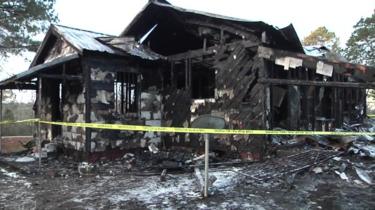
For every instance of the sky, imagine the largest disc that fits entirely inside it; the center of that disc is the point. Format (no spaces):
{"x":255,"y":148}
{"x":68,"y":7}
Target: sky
{"x":112,"y":16}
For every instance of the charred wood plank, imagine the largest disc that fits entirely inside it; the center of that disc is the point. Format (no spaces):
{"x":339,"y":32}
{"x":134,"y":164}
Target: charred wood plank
{"x":317,"y":83}
{"x":101,"y":85}
{"x":20,"y":86}
{"x":87,"y":85}
{"x":235,"y":29}
{"x":59,"y":76}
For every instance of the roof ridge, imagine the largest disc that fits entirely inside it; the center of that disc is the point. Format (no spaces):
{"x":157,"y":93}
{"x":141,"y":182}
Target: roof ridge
{"x":84,"y":30}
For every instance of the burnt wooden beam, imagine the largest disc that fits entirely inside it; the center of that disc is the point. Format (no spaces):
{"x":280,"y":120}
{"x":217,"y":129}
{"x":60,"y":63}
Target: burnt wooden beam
{"x":186,"y":74}
{"x":172,"y":74}
{"x":127,"y":92}
{"x":40,"y":88}
{"x":118,"y":64}
{"x":32,"y":72}
{"x":205,"y":44}
{"x":122,"y":96}
{"x":61,"y":76}
{"x":19,"y":86}
{"x":317,"y":83}
{"x":87,"y":84}
{"x":189,"y":73}
{"x":222,"y":36}
{"x":235,"y":29}
{"x":138,"y":95}
{"x":63,"y":92}
{"x":1,"y":119}
{"x":209,"y":50}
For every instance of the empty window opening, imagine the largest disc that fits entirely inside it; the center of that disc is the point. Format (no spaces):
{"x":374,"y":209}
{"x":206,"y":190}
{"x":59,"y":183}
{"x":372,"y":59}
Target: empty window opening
{"x":179,"y":76}
{"x":126,"y":93}
{"x":202,"y":82}
{"x":198,"y":78}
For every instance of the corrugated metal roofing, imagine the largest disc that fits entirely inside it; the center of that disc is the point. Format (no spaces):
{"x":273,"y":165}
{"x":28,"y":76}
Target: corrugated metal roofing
{"x":132,"y":47}
{"x":93,"y":41}
{"x":84,"y":40}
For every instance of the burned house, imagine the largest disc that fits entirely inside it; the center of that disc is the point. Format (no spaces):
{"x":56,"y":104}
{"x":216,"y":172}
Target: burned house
{"x":171,"y":65}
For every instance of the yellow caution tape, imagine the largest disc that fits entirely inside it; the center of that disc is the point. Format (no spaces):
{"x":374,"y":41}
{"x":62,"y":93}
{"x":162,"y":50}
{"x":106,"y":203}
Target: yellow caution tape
{"x":19,"y":121}
{"x":204,"y":130}
{"x":191,"y":130}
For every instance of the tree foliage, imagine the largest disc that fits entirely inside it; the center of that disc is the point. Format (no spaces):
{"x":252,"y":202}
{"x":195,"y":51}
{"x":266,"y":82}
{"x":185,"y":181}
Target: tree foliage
{"x":20,"y":21}
{"x":361,"y":44}
{"x":322,"y":36}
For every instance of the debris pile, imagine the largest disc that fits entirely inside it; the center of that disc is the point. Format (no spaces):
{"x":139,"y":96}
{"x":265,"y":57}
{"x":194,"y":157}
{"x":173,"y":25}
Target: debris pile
{"x":273,"y":171}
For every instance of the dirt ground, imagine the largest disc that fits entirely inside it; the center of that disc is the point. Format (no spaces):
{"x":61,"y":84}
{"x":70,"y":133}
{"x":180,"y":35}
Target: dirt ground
{"x":11,"y":144}
{"x":112,"y":185}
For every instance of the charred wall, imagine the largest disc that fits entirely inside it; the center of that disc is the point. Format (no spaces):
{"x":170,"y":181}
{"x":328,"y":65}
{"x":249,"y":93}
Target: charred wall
{"x":237,"y":98}
{"x":109,"y":81}
{"x":63,"y":100}
{"x":48,"y":105}
{"x":73,"y":111}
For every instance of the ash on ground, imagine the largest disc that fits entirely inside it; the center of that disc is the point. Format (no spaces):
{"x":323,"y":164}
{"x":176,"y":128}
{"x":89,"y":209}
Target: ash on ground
{"x":304,"y":173}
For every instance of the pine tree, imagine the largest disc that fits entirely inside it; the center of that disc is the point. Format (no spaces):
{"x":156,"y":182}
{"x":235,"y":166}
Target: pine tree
{"x":361,"y":44}
{"x":322,"y":36}
{"x":20,"y":21}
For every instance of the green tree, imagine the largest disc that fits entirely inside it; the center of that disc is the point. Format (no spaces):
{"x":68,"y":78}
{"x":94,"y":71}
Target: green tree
{"x":361,"y":44}
{"x":20,"y":21}
{"x":322,"y":36}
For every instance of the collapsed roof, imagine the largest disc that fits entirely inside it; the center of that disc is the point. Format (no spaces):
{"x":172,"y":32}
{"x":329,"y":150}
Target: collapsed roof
{"x":174,"y":24}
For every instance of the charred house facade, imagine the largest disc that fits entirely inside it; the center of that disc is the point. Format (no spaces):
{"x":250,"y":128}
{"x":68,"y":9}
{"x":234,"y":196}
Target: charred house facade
{"x":171,"y":65}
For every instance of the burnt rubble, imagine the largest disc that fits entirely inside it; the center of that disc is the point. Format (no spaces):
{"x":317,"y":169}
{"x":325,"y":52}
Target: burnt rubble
{"x":295,"y":170}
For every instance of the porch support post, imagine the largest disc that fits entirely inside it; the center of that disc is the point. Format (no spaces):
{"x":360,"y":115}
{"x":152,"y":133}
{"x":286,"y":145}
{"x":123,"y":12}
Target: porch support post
{"x":87,"y":83}
{"x":40,"y":118}
{"x":1,"y":119}
{"x":206,"y":163}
